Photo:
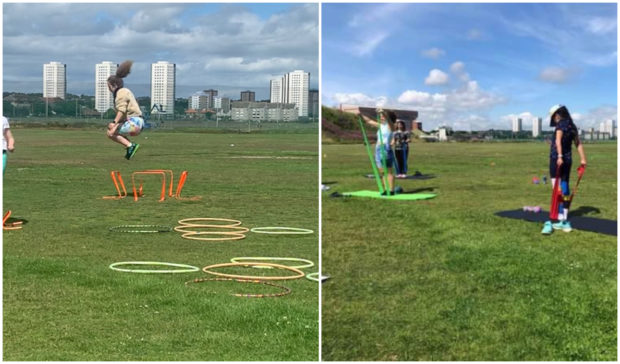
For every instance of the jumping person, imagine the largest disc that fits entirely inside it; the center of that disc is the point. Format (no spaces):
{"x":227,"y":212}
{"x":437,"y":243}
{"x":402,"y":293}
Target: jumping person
{"x":383,"y":149}
{"x":128,"y":120}
{"x":8,"y":142}
{"x":401,"y":148}
{"x":565,"y":133}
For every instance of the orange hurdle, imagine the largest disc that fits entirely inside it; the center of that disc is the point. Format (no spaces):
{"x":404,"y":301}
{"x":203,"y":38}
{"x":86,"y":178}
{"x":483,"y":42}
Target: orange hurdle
{"x":163,"y":183}
{"x":171,"y":178}
{"x":117,"y":179}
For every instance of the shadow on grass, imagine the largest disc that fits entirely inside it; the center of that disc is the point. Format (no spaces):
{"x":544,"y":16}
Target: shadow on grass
{"x":585,"y":210}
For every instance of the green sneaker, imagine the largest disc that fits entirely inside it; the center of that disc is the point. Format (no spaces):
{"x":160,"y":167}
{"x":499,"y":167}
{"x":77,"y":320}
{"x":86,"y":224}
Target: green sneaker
{"x":547,"y":228}
{"x":563,"y":225}
{"x":131,"y":150}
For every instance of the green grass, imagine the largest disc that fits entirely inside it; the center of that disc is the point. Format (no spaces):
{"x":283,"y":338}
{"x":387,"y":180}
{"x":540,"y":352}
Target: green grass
{"x":62,"y":302}
{"x":445,"y":279}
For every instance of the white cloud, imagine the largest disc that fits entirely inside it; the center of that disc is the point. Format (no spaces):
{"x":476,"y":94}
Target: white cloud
{"x":475,"y":34}
{"x":600,"y":25}
{"x":458,"y":68}
{"x":594,"y":117}
{"x":368,"y":45}
{"x":434,"y":53}
{"x":436,"y":77}
{"x":555,"y":74}
{"x":239,"y":64}
{"x":359,"y":99}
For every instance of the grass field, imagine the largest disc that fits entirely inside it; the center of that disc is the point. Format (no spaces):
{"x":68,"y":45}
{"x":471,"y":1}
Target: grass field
{"x":445,"y":279}
{"x":62,"y":302}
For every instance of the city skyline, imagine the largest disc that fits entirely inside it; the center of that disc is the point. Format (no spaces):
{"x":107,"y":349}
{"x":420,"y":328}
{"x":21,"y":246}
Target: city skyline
{"x":231,"y":47}
{"x":473,"y":66}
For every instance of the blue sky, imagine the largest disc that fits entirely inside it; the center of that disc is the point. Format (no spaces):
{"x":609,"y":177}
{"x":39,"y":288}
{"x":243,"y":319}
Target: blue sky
{"x":473,"y":65}
{"x":230,"y":47}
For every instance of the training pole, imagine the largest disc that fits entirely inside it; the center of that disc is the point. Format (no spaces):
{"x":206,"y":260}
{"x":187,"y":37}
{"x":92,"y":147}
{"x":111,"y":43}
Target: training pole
{"x":180,"y":184}
{"x":372,"y":159}
{"x":383,"y":156}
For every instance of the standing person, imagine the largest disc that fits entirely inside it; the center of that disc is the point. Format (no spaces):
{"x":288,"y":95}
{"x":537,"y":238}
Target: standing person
{"x":383,"y":148}
{"x":8,"y":142}
{"x":402,"y":137}
{"x":564,"y":135}
{"x":128,"y":120}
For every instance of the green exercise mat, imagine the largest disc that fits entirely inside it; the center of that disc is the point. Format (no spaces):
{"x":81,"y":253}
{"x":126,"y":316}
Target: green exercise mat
{"x":402,"y":196}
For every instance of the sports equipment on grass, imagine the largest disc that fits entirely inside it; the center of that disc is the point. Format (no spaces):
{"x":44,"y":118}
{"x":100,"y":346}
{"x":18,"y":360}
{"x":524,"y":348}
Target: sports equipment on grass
{"x":402,"y":196}
{"x":184,"y":267}
{"x":556,"y":196}
{"x":410,"y":176}
{"x":375,"y":171}
{"x":234,"y":232}
{"x":285,"y":290}
{"x":140,"y":229}
{"x":308,"y":263}
{"x":586,"y":223}
{"x":279,"y":230}
{"x":315,"y":277}
{"x":299,"y":273}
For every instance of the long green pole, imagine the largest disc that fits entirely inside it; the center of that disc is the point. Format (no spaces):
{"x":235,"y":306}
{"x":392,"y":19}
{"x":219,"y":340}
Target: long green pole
{"x":372,"y":160}
{"x":383,"y":156}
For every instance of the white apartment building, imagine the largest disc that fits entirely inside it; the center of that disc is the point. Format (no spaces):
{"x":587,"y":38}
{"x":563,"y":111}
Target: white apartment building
{"x":609,"y":127}
{"x":222,"y":103}
{"x":163,"y":78}
{"x":517,"y":125}
{"x":199,"y":101}
{"x":536,"y":127}
{"x":104,"y":99}
{"x":276,"y":92}
{"x":54,"y":80}
{"x":263,"y":111}
{"x":295,"y":87}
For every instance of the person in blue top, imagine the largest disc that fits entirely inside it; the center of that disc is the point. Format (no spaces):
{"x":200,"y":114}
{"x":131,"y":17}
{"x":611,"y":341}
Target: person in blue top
{"x":560,"y":161}
{"x":384,"y":147}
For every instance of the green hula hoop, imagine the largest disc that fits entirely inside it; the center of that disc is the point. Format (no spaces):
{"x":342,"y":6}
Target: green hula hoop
{"x":308,"y":264}
{"x":315,"y":277}
{"x":280,"y":230}
{"x":187,"y":268}
{"x":134,"y":229}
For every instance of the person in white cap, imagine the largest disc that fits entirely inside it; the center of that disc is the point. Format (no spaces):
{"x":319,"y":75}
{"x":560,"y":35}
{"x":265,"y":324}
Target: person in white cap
{"x":560,"y":162}
{"x":384,"y":152}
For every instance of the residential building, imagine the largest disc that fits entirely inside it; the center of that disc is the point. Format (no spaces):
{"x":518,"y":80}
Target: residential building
{"x":263,"y":111}
{"x":536,"y":127}
{"x":163,"y":78}
{"x":104,"y":99}
{"x":199,"y":101}
{"x":222,"y":104}
{"x":295,"y":90}
{"x":248,"y":96}
{"x":517,"y":125}
{"x":211,"y":94}
{"x":276,"y":92}
{"x":54,"y":80}
{"x":313,"y":103}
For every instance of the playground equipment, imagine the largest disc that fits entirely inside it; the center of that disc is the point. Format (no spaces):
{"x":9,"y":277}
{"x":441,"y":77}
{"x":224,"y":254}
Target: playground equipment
{"x":138,"y":191}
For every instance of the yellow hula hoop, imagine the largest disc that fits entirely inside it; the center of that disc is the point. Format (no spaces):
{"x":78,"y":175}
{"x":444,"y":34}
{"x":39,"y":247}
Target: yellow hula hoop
{"x":231,"y":235}
{"x":188,"y":222}
{"x":236,"y":229}
{"x":300,"y":274}
{"x":308,"y":264}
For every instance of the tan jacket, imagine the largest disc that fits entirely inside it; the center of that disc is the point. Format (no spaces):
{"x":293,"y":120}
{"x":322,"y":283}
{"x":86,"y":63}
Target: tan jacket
{"x":126,"y":103}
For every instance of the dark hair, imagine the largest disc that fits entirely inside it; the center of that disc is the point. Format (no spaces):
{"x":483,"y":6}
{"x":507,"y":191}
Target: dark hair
{"x":563,"y":113}
{"x":121,"y":72}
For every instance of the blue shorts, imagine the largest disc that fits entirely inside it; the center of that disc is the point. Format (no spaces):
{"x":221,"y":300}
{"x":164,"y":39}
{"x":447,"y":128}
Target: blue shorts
{"x":389,"y":157}
{"x":133,"y":126}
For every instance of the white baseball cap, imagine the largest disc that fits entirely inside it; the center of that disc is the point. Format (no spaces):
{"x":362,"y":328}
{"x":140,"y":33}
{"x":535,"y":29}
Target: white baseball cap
{"x":555,"y":108}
